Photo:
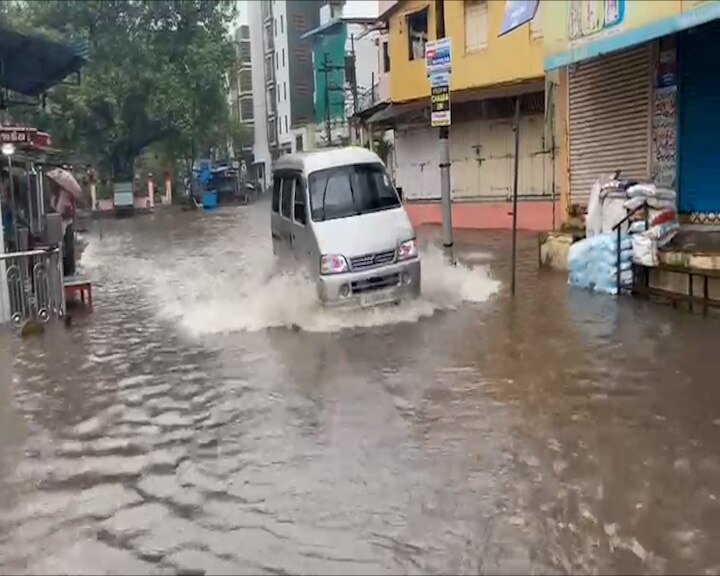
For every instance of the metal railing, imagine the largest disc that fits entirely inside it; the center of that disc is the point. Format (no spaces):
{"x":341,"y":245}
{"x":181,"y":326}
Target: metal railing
{"x":31,"y":286}
{"x":618,"y":243}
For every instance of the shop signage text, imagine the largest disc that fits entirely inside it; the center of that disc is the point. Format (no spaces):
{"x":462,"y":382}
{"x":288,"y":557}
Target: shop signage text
{"x":438,"y":64}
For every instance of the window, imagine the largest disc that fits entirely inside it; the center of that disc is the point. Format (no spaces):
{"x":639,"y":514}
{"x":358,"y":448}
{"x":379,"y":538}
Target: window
{"x":298,"y":143}
{"x":284,"y":90}
{"x":476,"y":16}
{"x":282,"y":25}
{"x":277,"y":62}
{"x":299,"y":22}
{"x":246,"y":110}
{"x":245,"y":54}
{"x":278,"y":91}
{"x":276,"y":194}
{"x":286,"y":125}
{"x":245,"y":81}
{"x":386,"y":57}
{"x":299,"y":214}
{"x":417,"y":26}
{"x":283,"y":56}
{"x":272,"y":131}
{"x":349,"y":190}
{"x":270,"y":101}
{"x":287,"y":199}
{"x":275,"y":27}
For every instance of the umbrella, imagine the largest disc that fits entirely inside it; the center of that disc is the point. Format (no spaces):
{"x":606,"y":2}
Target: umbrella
{"x":66,"y":181}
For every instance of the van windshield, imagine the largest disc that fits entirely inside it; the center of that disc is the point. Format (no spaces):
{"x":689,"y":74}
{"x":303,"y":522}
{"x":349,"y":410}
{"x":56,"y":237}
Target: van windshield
{"x":349,"y":191}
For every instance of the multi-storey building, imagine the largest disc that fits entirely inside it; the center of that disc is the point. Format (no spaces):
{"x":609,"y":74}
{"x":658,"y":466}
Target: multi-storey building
{"x":282,"y":77}
{"x":263,"y":86}
{"x":243,"y":105}
{"x":346,"y":68}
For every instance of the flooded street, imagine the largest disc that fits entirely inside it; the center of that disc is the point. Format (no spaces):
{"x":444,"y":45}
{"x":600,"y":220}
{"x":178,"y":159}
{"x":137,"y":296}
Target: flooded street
{"x":210,"y":418}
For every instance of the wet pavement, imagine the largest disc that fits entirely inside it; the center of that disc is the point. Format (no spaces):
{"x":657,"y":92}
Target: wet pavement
{"x":209,"y":418}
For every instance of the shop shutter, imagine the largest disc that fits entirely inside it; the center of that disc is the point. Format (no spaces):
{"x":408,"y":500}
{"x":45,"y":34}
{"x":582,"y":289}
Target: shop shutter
{"x":609,"y":119}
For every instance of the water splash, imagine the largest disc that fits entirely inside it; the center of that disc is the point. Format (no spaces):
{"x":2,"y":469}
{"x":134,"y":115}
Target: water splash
{"x":270,"y":298}
{"x":212,"y":288}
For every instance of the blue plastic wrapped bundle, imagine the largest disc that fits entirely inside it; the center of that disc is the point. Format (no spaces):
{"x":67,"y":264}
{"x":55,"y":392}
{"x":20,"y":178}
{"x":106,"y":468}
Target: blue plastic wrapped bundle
{"x":592,"y":263}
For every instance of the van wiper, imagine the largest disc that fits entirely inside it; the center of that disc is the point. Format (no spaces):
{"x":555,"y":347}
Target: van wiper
{"x":352,"y":194}
{"x":327,"y":183}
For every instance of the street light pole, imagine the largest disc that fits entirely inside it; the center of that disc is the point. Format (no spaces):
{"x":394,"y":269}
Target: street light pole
{"x":444,"y":149}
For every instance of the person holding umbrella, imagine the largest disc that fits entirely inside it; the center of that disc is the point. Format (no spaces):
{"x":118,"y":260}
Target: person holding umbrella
{"x":65,"y":192}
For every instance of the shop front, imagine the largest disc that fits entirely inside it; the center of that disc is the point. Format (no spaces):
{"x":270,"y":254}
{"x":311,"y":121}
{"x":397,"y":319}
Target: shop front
{"x":482,"y":158}
{"x":642,"y":97}
{"x":698,"y":105}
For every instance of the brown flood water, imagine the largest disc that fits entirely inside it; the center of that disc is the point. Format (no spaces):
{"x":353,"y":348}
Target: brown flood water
{"x":209,"y":418}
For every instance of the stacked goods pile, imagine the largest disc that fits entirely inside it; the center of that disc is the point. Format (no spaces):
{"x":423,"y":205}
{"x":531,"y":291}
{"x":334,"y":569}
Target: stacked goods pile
{"x":593,"y":264}
{"x":662,"y":222}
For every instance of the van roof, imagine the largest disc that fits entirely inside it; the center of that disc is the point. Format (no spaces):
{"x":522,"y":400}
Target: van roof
{"x":314,"y":160}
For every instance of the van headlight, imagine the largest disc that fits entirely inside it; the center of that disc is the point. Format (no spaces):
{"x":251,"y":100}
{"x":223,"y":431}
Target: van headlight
{"x":333,"y":264}
{"x":407,"y":250}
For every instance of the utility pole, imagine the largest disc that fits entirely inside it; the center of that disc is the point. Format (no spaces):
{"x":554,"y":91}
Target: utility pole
{"x":444,"y":134}
{"x":353,"y":84}
{"x":326,"y":70}
{"x":516,"y":168}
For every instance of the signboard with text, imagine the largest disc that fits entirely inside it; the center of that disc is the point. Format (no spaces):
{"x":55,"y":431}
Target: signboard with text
{"x":437,"y":64}
{"x":437,"y":56}
{"x":440,"y":100}
{"x":22,"y":136}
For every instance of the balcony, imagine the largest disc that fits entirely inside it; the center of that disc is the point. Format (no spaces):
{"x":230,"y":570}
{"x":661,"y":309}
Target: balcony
{"x":269,"y":70}
{"x":367,"y":98}
{"x":268,"y":41}
{"x":266,"y":10}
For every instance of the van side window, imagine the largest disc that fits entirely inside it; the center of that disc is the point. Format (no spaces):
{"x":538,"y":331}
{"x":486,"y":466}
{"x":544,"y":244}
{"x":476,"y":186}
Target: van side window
{"x":287,"y":196}
{"x":299,"y":205}
{"x":276,"y":194}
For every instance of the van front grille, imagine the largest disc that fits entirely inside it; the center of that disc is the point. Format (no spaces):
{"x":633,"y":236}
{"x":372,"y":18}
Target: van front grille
{"x":372,"y":260}
{"x":375,"y":283}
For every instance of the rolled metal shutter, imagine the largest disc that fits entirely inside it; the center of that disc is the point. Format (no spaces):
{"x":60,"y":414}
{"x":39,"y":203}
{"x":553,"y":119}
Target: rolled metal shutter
{"x":609,"y":112}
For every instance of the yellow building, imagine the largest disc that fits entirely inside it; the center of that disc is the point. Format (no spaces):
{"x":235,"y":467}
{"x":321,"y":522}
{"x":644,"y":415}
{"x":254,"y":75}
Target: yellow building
{"x":479,"y":58}
{"x":487,"y":73}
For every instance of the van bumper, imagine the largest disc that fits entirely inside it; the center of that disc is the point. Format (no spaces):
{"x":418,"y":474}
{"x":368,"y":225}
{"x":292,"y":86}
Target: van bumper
{"x":391,"y":283}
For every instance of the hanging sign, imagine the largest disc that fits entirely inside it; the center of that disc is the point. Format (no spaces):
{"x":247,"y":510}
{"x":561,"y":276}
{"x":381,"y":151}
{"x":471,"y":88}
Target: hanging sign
{"x":517,"y":13}
{"x":437,"y":56}
{"x":440,"y":99}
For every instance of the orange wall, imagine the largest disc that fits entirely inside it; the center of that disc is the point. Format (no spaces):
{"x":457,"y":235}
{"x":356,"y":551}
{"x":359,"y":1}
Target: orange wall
{"x":532,"y":216}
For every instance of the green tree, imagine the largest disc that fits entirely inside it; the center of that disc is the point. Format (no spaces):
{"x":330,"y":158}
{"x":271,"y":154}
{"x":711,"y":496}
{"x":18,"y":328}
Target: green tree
{"x":156,"y":75}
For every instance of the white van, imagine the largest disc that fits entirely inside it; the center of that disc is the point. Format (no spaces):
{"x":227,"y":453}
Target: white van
{"x":336,"y":213}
